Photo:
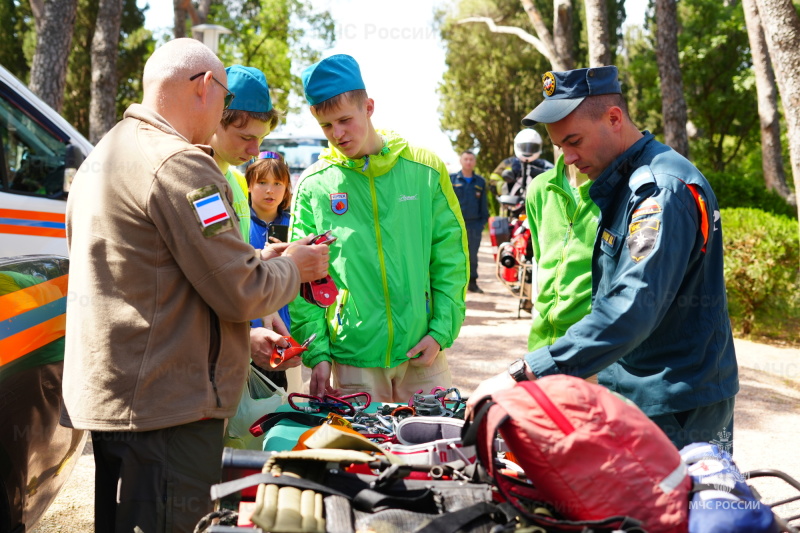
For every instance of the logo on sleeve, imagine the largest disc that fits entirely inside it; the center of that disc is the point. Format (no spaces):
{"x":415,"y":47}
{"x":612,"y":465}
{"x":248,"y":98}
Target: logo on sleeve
{"x":339,"y":203}
{"x":648,"y":207}
{"x":210,"y":210}
{"x":642,"y":238}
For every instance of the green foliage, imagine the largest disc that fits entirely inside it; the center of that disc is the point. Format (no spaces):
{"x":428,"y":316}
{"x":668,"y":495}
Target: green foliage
{"x":747,"y":191}
{"x":276,"y":36}
{"x":136,"y":45}
{"x":718,"y":82}
{"x":762,"y":254}
{"x":16,"y":23}
{"x":492,"y":80}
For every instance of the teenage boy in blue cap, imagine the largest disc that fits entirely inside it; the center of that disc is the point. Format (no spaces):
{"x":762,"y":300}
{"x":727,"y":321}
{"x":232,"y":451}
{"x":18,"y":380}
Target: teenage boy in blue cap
{"x":248,"y":119}
{"x":401,"y":261}
{"x":659,"y":331}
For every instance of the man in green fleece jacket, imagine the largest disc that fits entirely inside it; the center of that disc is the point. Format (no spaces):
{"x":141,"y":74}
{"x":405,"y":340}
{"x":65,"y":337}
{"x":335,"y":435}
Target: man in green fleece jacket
{"x":563,"y":223}
{"x":401,"y":261}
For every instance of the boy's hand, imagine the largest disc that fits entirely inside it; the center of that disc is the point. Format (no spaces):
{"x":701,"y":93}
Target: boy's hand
{"x":321,"y":381}
{"x":427,"y":349}
{"x":262,"y":342}
{"x":275,"y":323}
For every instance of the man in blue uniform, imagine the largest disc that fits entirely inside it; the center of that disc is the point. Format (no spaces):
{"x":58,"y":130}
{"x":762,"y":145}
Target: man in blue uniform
{"x":470,"y":188}
{"x":659,"y":331}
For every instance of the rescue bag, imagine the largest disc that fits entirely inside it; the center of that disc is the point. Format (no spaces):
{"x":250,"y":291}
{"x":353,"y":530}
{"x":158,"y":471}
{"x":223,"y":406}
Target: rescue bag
{"x":589,"y":454}
{"x":722,"y":502}
{"x":312,"y":491}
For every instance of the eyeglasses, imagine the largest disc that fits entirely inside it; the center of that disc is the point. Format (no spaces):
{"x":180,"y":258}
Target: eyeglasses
{"x":269,"y":155}
{"x":229,"y":96}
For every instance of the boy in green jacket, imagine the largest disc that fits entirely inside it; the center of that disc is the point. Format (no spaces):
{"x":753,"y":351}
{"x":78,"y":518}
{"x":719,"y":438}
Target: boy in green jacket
{"x":563,"y":222}
{"x":401,"y":258}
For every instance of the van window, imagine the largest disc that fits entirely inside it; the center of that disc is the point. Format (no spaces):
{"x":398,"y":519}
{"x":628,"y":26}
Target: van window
{"x":298,"y":152}
{"x":32,"y":159}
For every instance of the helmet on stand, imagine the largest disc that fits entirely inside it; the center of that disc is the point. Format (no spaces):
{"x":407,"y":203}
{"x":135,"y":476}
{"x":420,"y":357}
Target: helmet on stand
{"x":528,"y":145}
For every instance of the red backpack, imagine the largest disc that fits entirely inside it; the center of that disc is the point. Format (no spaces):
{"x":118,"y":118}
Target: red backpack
{"x":588,"y":453}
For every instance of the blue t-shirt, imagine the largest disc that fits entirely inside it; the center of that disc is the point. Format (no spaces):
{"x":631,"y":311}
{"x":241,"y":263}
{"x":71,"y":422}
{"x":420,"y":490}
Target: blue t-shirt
{"x":258,"y":239}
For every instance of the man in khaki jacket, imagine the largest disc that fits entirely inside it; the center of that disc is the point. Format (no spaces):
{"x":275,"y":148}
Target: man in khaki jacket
{"x":157,"y":344}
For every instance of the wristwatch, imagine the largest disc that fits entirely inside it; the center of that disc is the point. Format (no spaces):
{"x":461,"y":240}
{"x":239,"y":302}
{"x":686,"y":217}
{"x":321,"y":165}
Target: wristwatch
{"x":517,"y":370}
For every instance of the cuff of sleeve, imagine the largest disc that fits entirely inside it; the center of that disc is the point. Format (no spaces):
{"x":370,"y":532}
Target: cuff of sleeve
{"x":438,"y":338}
{"x":541,"y":363}
{"x":313,"y":360}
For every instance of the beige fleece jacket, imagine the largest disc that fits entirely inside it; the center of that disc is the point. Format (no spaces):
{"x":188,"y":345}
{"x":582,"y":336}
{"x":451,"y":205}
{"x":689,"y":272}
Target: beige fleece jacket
{"x":159,"y":295}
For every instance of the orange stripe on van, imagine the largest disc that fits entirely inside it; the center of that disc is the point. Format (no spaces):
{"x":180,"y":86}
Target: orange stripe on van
{"x":22,"y":301}
{"x":25,"y":342}
{"x":33,"y":215}
{"x":38,"y":232}
{"x":17,"y":302}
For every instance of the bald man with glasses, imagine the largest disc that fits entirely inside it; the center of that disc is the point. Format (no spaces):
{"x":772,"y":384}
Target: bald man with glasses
{"x":157,"y":344}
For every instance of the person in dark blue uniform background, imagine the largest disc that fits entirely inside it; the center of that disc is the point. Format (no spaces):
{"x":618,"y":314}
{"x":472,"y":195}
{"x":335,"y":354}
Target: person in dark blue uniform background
{"x":471,"y":191}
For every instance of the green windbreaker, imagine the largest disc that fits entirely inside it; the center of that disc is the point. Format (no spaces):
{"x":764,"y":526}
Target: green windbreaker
{"x":401,"y":261}
{"x":563,"y":233}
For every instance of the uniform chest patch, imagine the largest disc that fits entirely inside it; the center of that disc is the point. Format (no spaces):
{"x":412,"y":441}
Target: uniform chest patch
{"x":648,"y":207}
{"x":642,"y":238}
{"x":339,"y":203}
{"x":210,"y":210}
{"x":608,"y":237}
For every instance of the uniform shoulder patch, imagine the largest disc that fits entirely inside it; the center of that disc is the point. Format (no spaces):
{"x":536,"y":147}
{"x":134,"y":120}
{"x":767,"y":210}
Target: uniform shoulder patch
{"x":642,"y":237}
{"x":210,"y":210}
{"x":648,"y":207}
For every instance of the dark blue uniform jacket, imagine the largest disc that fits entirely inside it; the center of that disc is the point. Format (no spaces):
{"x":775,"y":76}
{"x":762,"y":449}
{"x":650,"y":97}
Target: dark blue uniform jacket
{"x":659,"y":331}
{"x":472,"y":198}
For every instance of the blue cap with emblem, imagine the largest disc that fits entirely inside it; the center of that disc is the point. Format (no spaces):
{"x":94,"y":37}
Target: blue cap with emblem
{"x":331,"y":77}
{"x":564,"y":91}
{"x":249,"y":85}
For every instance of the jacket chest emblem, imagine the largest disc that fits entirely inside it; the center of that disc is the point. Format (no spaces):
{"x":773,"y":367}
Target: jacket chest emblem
{"x":339,"y":203}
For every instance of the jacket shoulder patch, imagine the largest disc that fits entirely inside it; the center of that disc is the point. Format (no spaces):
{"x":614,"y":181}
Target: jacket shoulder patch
{"x":641,"y":177}
{"x":210,"y":210}
{"x":648,"y":207}
{"x":642,"y":237}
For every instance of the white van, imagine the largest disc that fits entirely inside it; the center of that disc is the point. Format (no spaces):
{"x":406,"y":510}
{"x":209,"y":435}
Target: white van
{"x":41,"y":152}
{"x":299,"y":150}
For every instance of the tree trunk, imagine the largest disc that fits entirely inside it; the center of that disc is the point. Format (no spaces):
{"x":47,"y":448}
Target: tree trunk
{"x":54,"y":37}
{"x":774,"y":176}
{"x":105,"y":48}
{"x":673,"y":105}
{"x":179,"y":14}
{"x":597,"y":30}
{"x":37,"y":8}
{"x":557,"y":61}
{"x":562,"y":32}
{"x":783,"y":41}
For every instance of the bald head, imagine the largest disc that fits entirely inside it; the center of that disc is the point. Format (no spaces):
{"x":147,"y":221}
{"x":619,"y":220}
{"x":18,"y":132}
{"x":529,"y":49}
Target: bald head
{"x":192,"y":107}
{"x":177,"y":61}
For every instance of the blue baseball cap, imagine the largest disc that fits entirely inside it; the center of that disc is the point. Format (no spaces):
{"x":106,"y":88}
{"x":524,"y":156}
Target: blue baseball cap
{"x":249,"y":85}
{"x":564,"y":91}
{"x":331,"y":77}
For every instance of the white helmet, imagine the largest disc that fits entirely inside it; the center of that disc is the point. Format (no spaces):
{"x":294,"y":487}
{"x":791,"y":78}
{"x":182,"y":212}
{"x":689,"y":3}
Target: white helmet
{"x":528,"y":145}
